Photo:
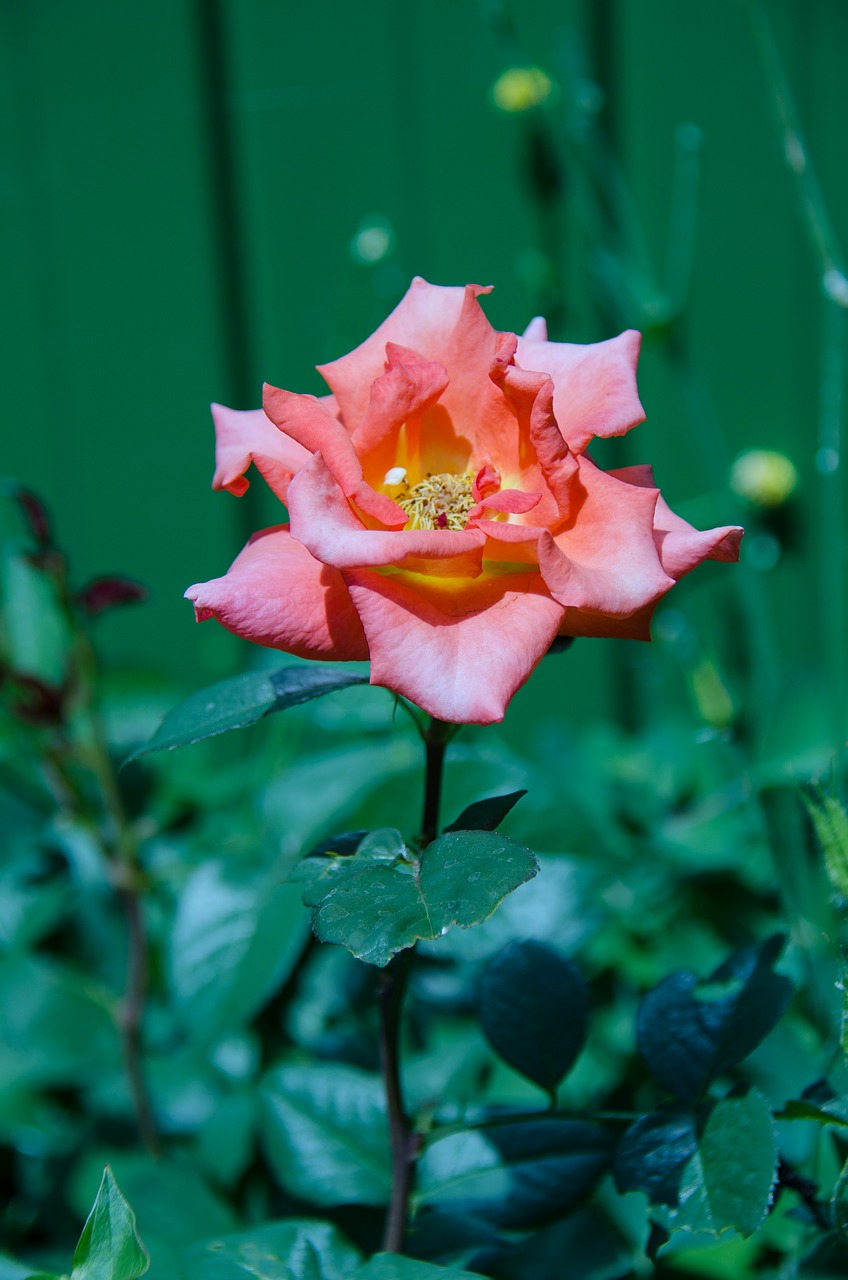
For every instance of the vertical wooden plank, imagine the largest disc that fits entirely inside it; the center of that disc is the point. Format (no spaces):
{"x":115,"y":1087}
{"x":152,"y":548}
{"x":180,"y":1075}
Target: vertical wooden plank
{"x":112,"y":330}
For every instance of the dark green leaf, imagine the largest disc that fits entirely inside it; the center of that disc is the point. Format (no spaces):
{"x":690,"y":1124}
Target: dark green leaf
{"x":109,"y":1247}
{"x":384,"y":898}
{"x":690,"y":1032}
{"x":839,"y":1202}
{"x":392,"y":1266}
{"x":290,"y":1250}
{"x":534,"y":1007}
{"x":235,"y":938}
{"x":325,"y":1133}
{"x":242,"y":701}
{"x":715,"y":1168}
{"x":342,"y":845}
{"x":588,"y":1240}
{"x":515,"y":1174}
{"x":486,"y":815}
{"x":655,"y":1151}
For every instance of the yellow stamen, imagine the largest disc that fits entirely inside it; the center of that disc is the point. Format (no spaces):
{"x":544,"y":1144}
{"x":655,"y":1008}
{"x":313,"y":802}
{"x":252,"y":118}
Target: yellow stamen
{"x":439,"y":502}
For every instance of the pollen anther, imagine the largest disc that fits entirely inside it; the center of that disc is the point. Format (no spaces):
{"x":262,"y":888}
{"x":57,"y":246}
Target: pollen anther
{"x":438,"y":502}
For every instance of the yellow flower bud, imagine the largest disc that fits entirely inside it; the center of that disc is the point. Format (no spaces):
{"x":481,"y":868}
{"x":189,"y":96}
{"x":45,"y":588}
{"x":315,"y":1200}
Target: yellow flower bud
{"x":520,"y":89}
{"x":764,"y":477}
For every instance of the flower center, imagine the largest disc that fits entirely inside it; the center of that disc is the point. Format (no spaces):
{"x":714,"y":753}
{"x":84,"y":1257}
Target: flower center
{"x":439,"y":502}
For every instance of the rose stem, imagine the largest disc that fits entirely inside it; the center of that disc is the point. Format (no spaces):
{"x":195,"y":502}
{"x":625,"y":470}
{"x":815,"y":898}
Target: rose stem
{"x":393,"y":983}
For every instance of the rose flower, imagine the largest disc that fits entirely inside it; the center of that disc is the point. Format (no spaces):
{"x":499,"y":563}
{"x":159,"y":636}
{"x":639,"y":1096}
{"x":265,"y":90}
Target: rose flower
{"x":445,"y":520}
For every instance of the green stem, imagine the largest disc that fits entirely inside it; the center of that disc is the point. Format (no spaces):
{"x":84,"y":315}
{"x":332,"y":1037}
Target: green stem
{"x":405,"y":1143}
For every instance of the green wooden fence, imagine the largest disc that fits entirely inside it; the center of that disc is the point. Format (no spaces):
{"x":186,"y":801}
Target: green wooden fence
{"x":182,"y":185}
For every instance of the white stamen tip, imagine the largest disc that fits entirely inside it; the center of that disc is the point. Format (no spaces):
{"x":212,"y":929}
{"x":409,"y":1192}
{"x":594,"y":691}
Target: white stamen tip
{"x":395,"y":475}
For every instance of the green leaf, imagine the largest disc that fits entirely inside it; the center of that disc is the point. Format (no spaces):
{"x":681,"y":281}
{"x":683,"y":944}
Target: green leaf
{"x":591,"y":1243}
{"x":384,"y":898}
{"x":715,"y":1168}
{"x":654,"y":1152}
{"x":515,"y":1174}
{"x":242,"y":701}
{"x":392,"y":1266}
{"x":109,"y":1247}
{"x":839,"y":1202}
{"x":534,"y":1007}
{"x":236,"y":936}
{"x":729,"y":1181}
{"x":486,"y":815}
{"x":36,"y":633}
{"x":290,"y":1250}
{"x":57,"y":1027}
{"x":830,"y":820}
{"x":325,"y":1133}
{"x":689,"y":1032}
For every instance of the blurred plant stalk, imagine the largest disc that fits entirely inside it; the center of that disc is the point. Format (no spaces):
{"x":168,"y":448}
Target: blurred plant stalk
{"x":57,"y":698}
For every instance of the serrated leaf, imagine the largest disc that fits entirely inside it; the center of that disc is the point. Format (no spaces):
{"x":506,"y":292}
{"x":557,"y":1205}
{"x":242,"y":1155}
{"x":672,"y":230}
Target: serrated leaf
{"x":689,"y":1032}
{"x":728,"y":1182}
{"x":384,"y":898}
{"x":714,"y":1168}
{"x":486,"y":815}
{"x":534,"y":1007}
{"x":393,"y":1266}
{"x":325,"y":1133}
{"x":289,"y":1250}
{"x":515,"y":1174}
{"x":109,"y":1247}
{"x":242,"y":701}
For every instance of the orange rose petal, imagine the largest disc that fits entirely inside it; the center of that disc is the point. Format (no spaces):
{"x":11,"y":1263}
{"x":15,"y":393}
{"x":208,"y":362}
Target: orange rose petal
{"x":276,"y":595}
{"x":424,"y":320}
{"x":459,"y":651}
{"x":681,"y":547}
{"x":245,"y":437}
{"x":409,"y":386}
{"x":594,"y":385}
{"x":309,"y":422}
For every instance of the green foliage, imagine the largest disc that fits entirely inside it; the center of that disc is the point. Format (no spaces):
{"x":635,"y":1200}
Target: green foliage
{"x":109,"y":1247}
{"x":690,"y":1033}
{"x":534,"y":1008}
{"x":384,"y":897}
{"x":241,"y":702}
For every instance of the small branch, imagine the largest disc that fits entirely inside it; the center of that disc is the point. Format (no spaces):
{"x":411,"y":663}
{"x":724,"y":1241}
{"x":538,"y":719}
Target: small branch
{"x":133,"y":1009}
{"x":404,"y":1143}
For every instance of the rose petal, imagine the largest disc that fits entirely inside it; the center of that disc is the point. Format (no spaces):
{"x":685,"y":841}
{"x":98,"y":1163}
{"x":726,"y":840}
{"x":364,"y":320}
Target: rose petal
{"x":545,"y":459}
{"x":399,"y":396}
{"x":323,"y":520}
{"x":459,"y":650}
{"x":682,"y":547}
{"x":247,"y":436}
{"x":424,"y":320}
{"x":308,"y":422}
{"x":276,"y":595}
{"x":537,"y":329}
{"x":594,"y":385}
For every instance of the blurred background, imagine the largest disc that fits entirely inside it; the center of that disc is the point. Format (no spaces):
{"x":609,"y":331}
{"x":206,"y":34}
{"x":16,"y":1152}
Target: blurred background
{"x":200,"y":195}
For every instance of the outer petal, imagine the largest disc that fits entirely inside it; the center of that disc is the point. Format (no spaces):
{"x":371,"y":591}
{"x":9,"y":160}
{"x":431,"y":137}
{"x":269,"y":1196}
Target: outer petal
{"x":457,"y":649}
{"x":247,"y":436}
{"x":424,"y":320}
{"x":594,"y":385}
{"x":275,"y":594}
{"x":682,"y":547}
{"x":324,"y":521}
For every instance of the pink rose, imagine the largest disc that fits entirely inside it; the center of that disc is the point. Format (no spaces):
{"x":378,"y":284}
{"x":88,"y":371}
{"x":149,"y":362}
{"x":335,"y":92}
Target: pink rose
{"x":445,"y":521}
